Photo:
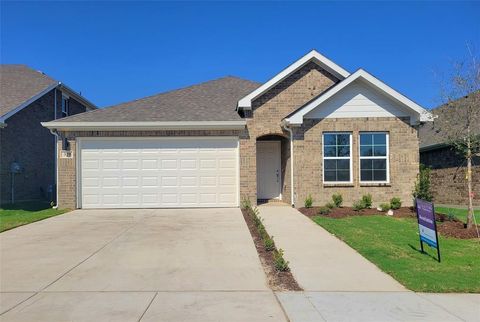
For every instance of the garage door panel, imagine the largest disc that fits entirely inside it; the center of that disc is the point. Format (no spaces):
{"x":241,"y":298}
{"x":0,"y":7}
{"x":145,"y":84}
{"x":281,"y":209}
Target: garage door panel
{"x":131,"y":173}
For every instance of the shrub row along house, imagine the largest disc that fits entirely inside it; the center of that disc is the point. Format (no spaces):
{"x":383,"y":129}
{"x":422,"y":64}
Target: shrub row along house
{"x":448,"y":168}
{"x":314,"y":128}
{"x":27,"y":150}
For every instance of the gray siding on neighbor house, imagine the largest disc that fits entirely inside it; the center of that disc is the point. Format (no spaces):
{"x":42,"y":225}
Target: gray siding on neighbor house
{"x":27,"y":142}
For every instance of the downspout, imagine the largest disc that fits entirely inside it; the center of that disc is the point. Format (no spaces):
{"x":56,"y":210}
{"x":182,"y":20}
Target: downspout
{"x":292,"y":192}
{"x":54,"y":132}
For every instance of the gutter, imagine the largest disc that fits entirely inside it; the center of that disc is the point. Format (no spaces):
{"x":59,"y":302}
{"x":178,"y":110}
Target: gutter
{"x":292,"y":192}
{"x":433,"y":147}
{"x":132,"y":126}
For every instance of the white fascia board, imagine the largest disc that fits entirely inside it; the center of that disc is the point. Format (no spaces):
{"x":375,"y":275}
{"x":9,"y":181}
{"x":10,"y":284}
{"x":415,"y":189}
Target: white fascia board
{"x":27,"y":102}
{"x":132,"y":126}
{"x":70,"y":92}
{"x":422,"y":114}
{"x":327,"y":64}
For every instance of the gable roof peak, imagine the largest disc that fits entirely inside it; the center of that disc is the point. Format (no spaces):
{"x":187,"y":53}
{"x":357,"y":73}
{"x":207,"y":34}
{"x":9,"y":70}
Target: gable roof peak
{"x":313,"y":55}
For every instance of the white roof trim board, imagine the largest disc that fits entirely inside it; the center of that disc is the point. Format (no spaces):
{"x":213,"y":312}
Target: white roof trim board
{"x":421,"y":114}
{"x":26,"y":103}
{"x":324,"y":62}
{"x":62,"y":87}
{"x":130,"y":126}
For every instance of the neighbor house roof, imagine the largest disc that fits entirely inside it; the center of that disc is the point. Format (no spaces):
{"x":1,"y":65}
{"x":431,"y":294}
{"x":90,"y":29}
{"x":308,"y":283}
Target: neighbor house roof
{"x":448,"y":118}
{"x":21,"y":85}
{"x":206,"y":103}
{"x":419,"y":113}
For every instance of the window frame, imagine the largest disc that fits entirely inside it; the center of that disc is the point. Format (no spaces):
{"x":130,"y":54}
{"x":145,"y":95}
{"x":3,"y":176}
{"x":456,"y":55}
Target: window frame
{"x":65,"y":108}
{"x":337,"y":158}
{"x":386,"y":157}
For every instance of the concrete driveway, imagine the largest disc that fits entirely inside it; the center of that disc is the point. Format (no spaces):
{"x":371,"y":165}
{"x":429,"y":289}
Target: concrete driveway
{"x":132,"y":265}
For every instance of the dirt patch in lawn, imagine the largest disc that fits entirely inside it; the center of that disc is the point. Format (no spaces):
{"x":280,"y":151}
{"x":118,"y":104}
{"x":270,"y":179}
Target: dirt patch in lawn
{"x":277,"y":281}
{"x":448,"y":227}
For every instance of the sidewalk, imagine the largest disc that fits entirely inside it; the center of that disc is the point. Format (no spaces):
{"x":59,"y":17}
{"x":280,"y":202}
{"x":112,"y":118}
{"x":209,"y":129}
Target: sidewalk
{"x":379,"y":306}
{"x":318,"y":260}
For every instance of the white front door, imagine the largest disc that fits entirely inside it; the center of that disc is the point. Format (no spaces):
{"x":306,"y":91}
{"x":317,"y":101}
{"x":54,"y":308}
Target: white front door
{"x":166,"y":172}
{"x":268,"y":169}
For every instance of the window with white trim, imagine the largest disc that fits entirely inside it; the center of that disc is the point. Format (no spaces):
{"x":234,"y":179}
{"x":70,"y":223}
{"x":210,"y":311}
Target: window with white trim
{"x":65,"y":105}
{"x":374,"y":157}
{"x":337,"y":162}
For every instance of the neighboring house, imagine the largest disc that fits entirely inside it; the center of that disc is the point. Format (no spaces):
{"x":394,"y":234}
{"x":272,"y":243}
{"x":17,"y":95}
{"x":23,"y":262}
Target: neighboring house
{"x":314,"y":128}
{"x":448,"y":175}
{"x":28,"y":97}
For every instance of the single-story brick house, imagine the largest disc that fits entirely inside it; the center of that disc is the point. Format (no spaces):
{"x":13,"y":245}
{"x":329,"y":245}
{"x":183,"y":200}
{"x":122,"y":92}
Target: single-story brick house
{"x":27,"y":149}
{"x":314,"y":128}
{"x":448,"y":168}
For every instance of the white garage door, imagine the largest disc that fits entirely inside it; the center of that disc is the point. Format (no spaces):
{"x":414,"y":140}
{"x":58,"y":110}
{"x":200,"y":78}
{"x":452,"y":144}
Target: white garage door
{"x":158,"y":172}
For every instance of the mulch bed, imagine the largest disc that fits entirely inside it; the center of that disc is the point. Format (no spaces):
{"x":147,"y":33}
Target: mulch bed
{"x":446,"y":227}
{"x":277,"y":281}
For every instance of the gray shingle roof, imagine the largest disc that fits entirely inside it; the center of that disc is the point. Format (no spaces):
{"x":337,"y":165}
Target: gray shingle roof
{"x":449,"y":119}
{"x":18,"y":84}
{"x":214,"y":100}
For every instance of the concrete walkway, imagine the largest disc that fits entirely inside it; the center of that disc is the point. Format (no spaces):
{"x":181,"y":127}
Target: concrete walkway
{"x":320,"y":261}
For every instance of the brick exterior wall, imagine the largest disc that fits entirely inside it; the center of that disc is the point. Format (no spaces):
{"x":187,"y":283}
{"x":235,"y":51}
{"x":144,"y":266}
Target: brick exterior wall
{"x":265,"y":121}
{"x":449,"y":185}
{"x":268,"y":112}
{"x":403,"y":159}
{"x":24,"y":140}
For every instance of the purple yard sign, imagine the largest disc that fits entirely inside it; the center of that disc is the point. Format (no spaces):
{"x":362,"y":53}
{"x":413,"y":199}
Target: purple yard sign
{"x":427,"y":225}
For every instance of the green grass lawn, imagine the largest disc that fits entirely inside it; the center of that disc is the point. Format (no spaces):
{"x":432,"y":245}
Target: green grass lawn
{"x":393,"y":245}
{"x":19,"y":214}
{"x":460,"y":213}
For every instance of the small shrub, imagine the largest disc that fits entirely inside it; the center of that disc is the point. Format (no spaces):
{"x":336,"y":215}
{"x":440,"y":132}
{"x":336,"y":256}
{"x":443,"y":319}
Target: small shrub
{"x":330,"y":205}
{"x":269,"y":244}
{"x":422,"y":185}
{"x":395,"y":203}
{"x":308,"y":201}
{"x":280,"y":263}
{"x":246,"y":203}
{"x":323,"y":210}
{"x":337,"y":200}
{"x":384,"y":207}
{"x":359,"y":205}
{"x":367,"y":200}
{"x":450,"y":216}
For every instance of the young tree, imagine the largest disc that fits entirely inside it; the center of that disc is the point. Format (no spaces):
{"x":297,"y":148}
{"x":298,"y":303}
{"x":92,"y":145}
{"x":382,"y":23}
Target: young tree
{"x":461,"y":116}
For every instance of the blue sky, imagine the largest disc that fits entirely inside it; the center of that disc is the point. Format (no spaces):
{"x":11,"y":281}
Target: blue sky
{"x":118,"y":51}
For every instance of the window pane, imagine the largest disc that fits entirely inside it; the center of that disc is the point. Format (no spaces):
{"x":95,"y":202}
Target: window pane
{"x":330,"y":151}
{"x":330,"y":175}
{"x":344,"y":151}
{"x":329,"y":139}
{"x":380,"y":151}
{"x":379,"y":175}
{"x":343,"y":139}
{"x":330,"y":164}
{"x":343,"y":175}
{"x":366,"y":151}
{"x":366,"y":175}
{"x":343,"y":164}
{"x":366,"y":139}
{"x":365,"y":164}
{"x":380,"y":139}
{"x":379,"y":164}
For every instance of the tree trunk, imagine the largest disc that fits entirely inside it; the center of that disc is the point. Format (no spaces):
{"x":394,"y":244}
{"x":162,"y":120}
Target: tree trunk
{"x":469,"y":183}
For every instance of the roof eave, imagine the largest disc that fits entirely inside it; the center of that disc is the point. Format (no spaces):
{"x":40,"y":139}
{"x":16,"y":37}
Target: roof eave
{"x":420,"y":114}
{"x":132,"y":126}
{"x":77,"y":96}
